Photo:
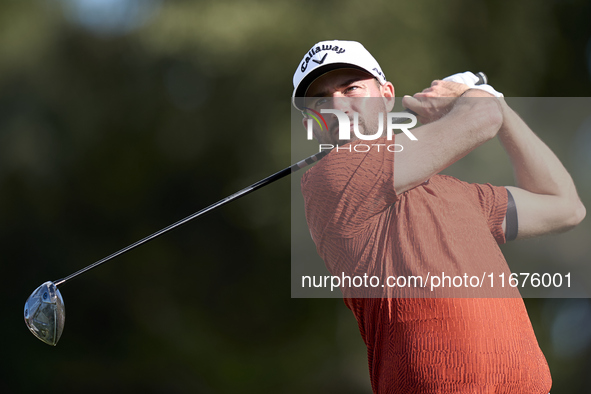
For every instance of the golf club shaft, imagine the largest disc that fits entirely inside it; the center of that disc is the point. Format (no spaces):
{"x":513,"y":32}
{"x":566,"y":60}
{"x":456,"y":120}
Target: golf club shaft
{"x":482,"y":79}
{"x":272,"y":178}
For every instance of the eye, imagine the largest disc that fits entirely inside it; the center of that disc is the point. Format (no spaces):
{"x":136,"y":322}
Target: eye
{"x":320,"y":102}
{"x":353,"y":90}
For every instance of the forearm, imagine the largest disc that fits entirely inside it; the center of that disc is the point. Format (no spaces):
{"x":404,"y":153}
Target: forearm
{"x":536,"y":167}
{"x":471,"y":122}
{"x":539,"y":171}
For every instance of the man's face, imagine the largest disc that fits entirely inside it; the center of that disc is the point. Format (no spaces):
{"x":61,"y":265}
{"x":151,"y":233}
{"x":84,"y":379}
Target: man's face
{"x":348,"y":90}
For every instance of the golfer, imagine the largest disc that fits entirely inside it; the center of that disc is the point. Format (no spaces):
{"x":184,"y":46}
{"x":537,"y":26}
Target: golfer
{"x":386,"y":212}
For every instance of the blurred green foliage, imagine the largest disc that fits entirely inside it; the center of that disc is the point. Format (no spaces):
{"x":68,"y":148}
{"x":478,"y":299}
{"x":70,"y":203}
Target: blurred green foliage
{"x":115,"y":124}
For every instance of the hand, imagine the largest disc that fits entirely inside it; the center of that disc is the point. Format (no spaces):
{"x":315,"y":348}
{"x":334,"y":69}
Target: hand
{"x":441,"y":88}
{"x":435,"y":101}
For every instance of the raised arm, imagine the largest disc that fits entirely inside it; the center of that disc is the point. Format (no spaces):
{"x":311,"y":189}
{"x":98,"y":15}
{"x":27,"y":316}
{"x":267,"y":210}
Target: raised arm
{"x":545,"y":195}
{"x":455,"y":126}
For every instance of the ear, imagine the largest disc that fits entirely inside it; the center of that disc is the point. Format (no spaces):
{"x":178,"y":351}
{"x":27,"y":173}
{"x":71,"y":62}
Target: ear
{"x":387,"y":90}
{"x":305,"y":121}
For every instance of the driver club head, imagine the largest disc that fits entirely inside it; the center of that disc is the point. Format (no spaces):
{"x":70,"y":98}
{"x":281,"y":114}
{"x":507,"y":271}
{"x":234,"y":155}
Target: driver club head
{"x":45,"y":313}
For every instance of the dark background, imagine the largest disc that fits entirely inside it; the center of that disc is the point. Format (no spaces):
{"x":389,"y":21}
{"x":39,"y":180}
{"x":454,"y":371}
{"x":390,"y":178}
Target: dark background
{"x":118,"y":118}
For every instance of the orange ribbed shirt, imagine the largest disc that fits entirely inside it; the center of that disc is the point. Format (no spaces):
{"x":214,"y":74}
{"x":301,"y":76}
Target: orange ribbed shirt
{"x":423,"y":345}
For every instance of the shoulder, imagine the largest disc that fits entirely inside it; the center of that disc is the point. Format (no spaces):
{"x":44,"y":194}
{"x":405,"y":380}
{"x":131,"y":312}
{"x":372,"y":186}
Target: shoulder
{"x":329,"y":173}
{"x":347,"y":166}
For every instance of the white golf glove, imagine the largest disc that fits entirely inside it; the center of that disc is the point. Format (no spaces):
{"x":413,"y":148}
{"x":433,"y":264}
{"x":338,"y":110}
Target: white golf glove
{"x":470,"y":79}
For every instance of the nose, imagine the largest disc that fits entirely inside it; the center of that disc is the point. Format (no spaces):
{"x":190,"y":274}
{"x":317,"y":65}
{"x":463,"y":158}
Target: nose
{"x":341,"y":102}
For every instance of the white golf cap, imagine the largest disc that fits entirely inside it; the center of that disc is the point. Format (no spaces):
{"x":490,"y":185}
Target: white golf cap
{"x":326,"y":56}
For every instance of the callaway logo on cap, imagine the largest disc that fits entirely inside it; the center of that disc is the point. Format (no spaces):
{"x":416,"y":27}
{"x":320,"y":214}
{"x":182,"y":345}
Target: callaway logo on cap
{"x":330,"y":55}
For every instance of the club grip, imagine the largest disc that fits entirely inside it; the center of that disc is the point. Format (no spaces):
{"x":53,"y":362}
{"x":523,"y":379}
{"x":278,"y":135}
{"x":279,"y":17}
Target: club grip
{"x":482,"y":78}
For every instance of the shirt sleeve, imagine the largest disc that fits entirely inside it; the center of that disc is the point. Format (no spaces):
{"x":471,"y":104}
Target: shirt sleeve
{"x":493,"y":203}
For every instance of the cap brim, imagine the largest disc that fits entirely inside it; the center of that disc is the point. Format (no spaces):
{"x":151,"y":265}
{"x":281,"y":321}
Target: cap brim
{"x":305,"y":83}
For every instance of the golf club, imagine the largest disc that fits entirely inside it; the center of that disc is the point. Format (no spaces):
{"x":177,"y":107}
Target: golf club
{"x":44,"y":309}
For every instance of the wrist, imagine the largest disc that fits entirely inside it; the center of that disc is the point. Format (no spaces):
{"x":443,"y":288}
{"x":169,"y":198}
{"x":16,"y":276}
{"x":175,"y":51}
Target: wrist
{"x":474,"y":82}
{"x":484,"y":112}
{"x":508,"y":113}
